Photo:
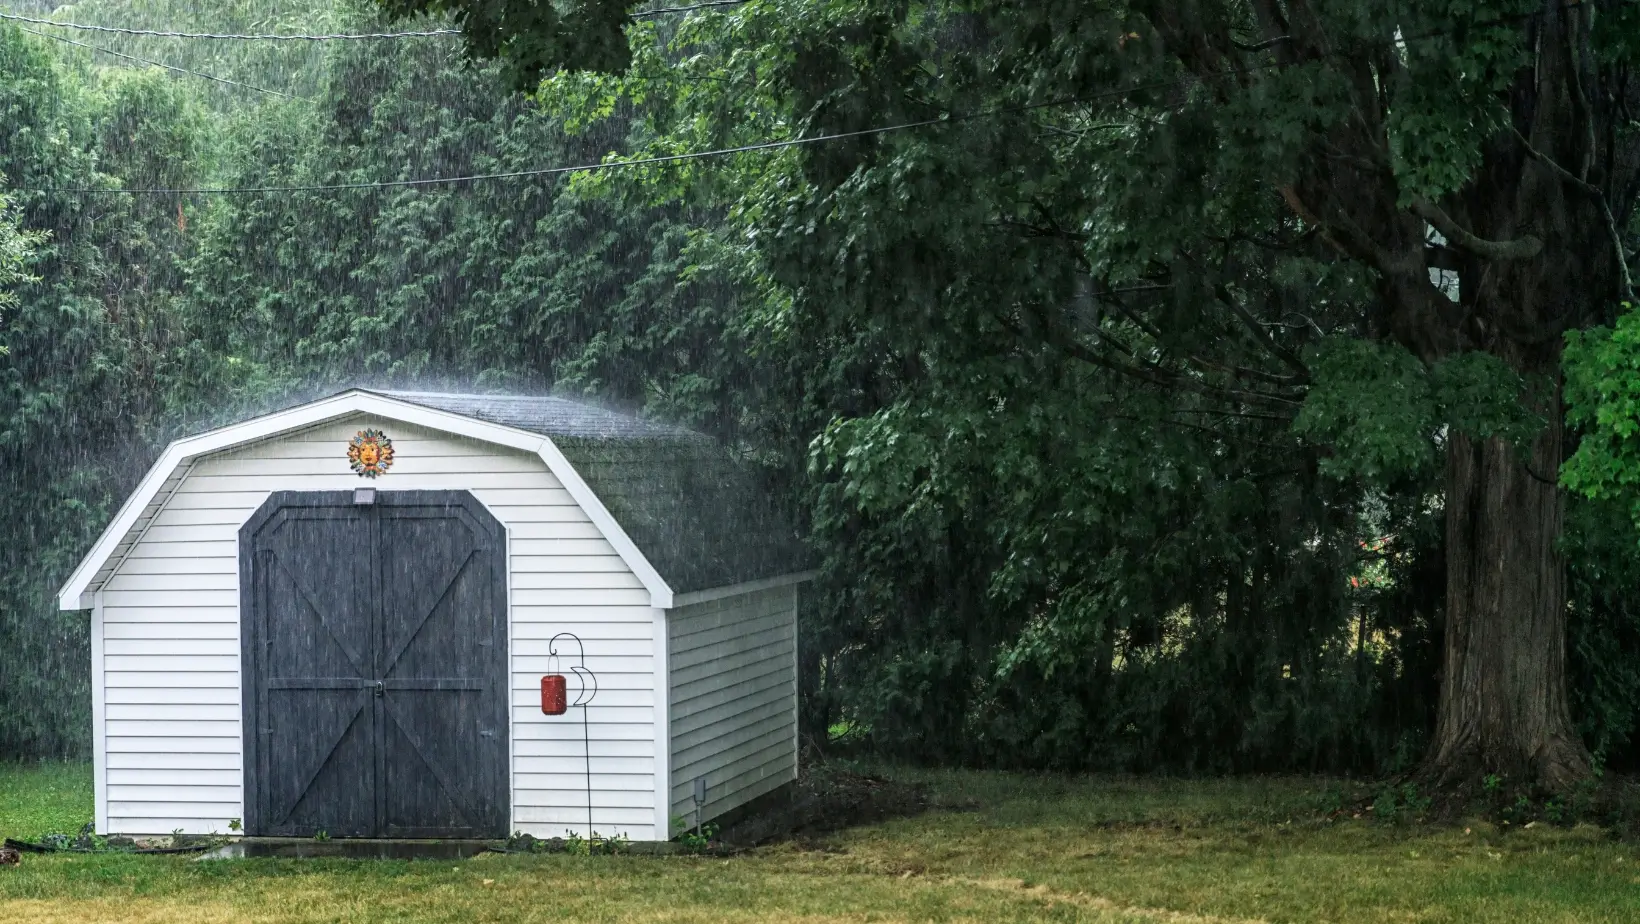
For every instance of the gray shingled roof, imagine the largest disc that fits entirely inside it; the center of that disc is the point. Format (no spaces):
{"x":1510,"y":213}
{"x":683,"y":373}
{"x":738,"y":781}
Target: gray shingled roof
{"x":549,"y":416}
{"x":701,"y":518}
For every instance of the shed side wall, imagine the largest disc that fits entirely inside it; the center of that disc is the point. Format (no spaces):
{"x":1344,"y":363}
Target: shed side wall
{"x":170,"y":637}
{"x":732,"y":699}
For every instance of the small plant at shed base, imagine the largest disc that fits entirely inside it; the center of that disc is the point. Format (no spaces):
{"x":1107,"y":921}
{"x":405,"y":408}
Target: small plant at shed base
{"x":697,"y":840}
{"x":321,"y":835}
{"x":235,"y":825}
{"x":576,"y":846}
{"x":611,"y":846}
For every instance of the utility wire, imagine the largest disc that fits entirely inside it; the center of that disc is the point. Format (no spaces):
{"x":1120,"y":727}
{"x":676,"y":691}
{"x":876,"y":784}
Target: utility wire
{"x":257,"y":37}
{"x":516,"y":174}
{"x":695,"y":155}
{"x":169,"y":67}
{"x":322,"y":37}
{"x":620,"y":164}
{"x":665,"y":11}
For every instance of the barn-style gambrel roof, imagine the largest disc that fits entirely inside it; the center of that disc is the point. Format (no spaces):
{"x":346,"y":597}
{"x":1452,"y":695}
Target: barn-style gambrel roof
{"x":687,"y":518}
{"x":701,"y":519}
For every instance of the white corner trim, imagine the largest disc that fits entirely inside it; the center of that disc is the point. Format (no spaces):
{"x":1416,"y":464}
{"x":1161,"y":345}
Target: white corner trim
{"x":660,"y":594}
{"x":75,"y":593}
{"x":663,"y":728}
{"x":749,"y":587}
{"x":99,"y":722}
{"x":512,"y":693}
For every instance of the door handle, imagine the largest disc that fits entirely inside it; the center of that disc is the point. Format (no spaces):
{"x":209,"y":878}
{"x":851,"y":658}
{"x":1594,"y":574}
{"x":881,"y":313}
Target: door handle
{"x":381,"y":688}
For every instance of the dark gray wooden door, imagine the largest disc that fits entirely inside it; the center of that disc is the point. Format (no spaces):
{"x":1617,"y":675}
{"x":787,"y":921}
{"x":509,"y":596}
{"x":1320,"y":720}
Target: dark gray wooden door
{"x":374,"y":657}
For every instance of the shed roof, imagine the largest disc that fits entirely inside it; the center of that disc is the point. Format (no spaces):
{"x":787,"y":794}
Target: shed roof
{"x":548,"y":416}
{"x":678,"y":508}
{"x":702,"y":519}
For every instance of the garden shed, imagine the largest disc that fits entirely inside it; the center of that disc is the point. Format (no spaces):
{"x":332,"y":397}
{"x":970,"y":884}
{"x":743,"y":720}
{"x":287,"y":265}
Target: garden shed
{"x":352,"y":617}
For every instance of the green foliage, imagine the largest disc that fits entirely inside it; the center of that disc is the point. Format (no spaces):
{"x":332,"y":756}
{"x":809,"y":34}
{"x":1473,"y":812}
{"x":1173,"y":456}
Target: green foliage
{"x":697,"y":840}
{"x":1380,"y":410}
{"x":1602,"y":549}
{"x":1054,"y":471}
{"x":16,"y":249}
{"x":1085,"y":416}
{"x":85,"y":358}
{"x":1373,"y":403}
{"x":1603,"y":402}
{"x":158,"y":314}
{"x":1399,"y":804}
{"x":1479,"y":394}
{"x":536,"y":37}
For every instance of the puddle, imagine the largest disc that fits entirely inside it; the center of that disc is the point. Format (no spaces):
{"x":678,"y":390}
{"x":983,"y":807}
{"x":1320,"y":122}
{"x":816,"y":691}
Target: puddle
{"x":301,"y":848}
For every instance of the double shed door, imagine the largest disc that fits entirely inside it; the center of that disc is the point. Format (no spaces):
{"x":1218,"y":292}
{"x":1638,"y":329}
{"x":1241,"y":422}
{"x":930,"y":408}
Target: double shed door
{"x":375,"y":660}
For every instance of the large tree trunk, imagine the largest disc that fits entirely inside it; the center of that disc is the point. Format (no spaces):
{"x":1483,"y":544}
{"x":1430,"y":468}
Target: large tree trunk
{"x":1503,"y":702}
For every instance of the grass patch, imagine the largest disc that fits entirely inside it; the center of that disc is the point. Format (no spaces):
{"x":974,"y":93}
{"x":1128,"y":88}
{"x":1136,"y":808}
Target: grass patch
{"x":1006,"y":847}
{"x":36,"y":798}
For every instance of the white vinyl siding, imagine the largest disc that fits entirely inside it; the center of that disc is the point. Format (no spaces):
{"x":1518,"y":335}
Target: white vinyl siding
{"x":167,"y":671}
{"x":733,"y":699}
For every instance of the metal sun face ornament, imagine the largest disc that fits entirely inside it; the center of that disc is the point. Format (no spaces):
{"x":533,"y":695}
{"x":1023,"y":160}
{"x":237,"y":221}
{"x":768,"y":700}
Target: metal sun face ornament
{"x":370,"y":453}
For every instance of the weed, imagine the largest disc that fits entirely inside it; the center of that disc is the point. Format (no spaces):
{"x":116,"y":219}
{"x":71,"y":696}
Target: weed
{"x":1399,"y":803}
{"x":612,"y":846}
{"x":321,"y":835}
{"x":1331,"y":800}
{"x":698,"y":839}
{"x":1556,"y":812}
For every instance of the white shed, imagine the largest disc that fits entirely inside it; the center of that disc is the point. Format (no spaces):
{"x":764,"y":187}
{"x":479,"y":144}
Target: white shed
{"x":338,"y":618}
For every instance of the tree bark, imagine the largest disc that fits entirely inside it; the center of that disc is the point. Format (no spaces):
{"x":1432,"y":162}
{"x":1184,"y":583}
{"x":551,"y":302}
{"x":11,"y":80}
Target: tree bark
{"x":1503,"y":703}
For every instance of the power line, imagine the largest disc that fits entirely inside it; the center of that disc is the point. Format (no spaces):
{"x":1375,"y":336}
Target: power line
{"x":321,"y":37}
{"x":169,"y":67}
{"x":517,"y":174}
{"x":256,"y":37}
{"x":646,"y":14}
{"x":699,"y":155}
{"x":612,"y":165}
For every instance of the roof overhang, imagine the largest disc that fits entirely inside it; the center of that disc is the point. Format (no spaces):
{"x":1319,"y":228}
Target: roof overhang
{"x":746,"y":587}
{"x":77,"y":593}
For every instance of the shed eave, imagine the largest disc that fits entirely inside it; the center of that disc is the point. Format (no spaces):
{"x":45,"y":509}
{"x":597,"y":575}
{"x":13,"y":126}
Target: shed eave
{"x":76,"y":593}
{"x":744,"y":587}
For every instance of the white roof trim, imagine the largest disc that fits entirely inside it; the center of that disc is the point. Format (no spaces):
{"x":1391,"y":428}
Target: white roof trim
{"x":76,"y":593}
{"x":747,"y":587}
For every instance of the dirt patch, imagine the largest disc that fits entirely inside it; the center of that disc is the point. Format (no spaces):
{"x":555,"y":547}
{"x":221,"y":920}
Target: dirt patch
{"x":824,"y":800}
{"x":1611,"y":801}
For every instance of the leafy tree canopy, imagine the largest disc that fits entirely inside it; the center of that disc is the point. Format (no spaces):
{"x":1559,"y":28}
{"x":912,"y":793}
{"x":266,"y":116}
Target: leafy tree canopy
{"x":1372,"y":220}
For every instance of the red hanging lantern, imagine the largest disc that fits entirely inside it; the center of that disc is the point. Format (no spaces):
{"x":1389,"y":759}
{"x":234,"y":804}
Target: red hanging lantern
{"x":554,"y":694}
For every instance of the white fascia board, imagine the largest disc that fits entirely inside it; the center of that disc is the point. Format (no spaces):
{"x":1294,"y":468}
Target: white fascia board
{"x":73,"y":595}
{"x":663,"y":726}
{"x":660,"y":593}
{"x":749,"y":587}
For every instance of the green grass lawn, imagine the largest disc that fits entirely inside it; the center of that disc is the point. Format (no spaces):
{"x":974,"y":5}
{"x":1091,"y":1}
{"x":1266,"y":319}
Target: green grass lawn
{"x":40,"y":797}
{"x":1011,"y":848}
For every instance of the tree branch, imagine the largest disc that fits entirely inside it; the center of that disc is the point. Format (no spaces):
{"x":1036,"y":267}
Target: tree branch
{"x":1150,"y":373}
{"x":1261,"y":335}
{"x":1625,"y":280}
{"x":1262,"y":46}
{"x":1523,"y":249}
